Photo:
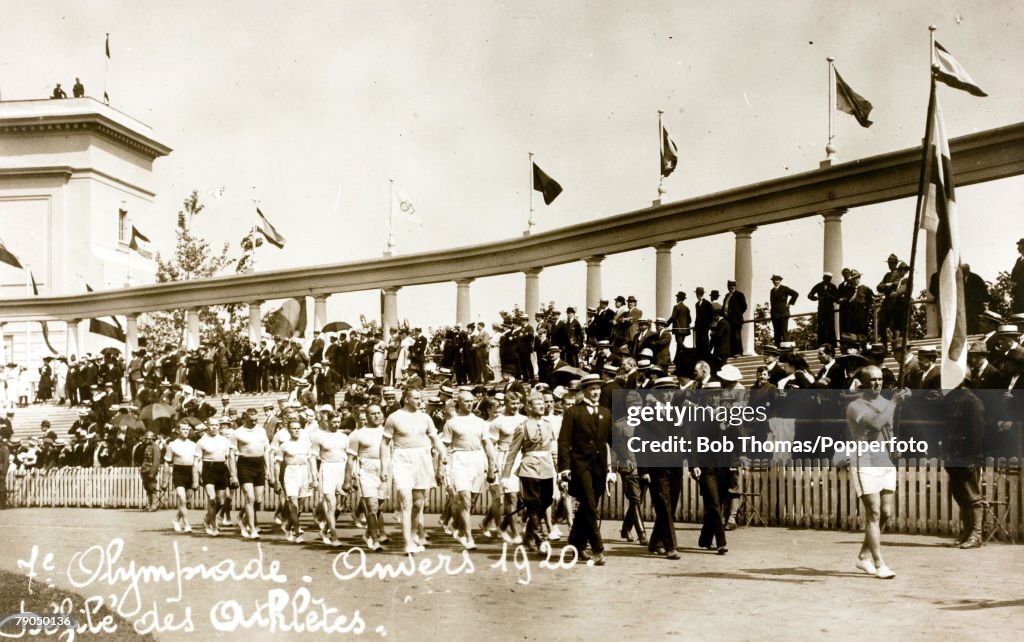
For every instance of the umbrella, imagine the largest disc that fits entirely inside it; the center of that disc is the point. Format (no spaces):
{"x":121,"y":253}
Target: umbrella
{"x":125,"y":420}
{"x":566,"y":374}
{"x":336,"y":326}
{"x":156,"y":411}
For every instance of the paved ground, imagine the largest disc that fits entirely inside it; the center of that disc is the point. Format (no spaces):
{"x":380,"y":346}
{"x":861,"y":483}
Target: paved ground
{"x":795,"y":584}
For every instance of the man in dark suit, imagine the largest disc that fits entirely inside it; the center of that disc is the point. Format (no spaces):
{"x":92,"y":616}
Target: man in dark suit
{"x":780,"y":298}
{"x":702,"y":313}
{"x":418,"y":352}
{"x":734,"y":305}
{"x":584,"y":461}
{"x":316,"y":348}
{"x":680,"y":323}
{"x":644,"y":338}
{"x":826,"y":294}
{"x":975,"y":298}
{"x":721,"y":338}
{"x":1017,"y":278}
{"x":600,"y":328}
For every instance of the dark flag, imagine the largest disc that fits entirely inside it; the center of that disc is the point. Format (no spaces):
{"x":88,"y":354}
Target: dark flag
{"x":669,"y":154}
{"x":106,"y":50}
{"x":949,"y":71}
{"x":546,"y":185}
{"x":32,"y":279}
{"x":46,"y":337}
{"x":6,"y":256}
{"x":135,"y":244}
{"x":268,"y":231}
{"x":849,"y":101}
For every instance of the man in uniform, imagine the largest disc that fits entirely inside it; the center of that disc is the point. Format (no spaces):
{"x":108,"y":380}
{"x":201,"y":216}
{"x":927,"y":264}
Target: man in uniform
{"x":584,"y":461}
{"x":965,"y":427}
{"x":887,"y":291}
{"x":780,"y":297}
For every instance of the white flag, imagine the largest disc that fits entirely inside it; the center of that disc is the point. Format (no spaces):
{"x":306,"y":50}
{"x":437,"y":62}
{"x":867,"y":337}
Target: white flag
{"x":402,"y":205}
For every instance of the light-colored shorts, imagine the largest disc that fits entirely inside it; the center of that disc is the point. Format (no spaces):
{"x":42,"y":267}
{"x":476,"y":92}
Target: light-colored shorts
{"x":467,"y":470}
{"x":370,"y":484}
{"x":413,"y":469}
{"x":332,"y":477}
{"x":511,"y":485}
{"x":871,"y":480}
{"x":296,"y":481}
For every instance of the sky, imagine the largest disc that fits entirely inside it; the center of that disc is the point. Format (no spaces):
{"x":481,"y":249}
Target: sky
{"x":311,"y":107}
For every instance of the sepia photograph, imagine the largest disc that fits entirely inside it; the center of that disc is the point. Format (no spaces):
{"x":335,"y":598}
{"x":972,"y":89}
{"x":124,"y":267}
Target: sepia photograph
{"x":456,"y":320}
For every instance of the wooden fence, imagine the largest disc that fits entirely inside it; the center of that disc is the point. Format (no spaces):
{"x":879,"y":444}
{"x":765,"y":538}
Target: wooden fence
{"x":797,"y":493}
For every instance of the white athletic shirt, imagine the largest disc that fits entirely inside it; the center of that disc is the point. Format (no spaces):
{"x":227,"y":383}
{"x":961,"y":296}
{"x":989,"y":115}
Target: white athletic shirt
{"x":364,"y":442}
{"x":249,"y":442}
{"x":330,"y":446}
{"x":180,"y":452}
{"x":213,"y":448}
{"x":295,"y":451}
{"x":464,"y":432}
{"x":502,"y":428}
{"x":856,"y":412}
{"x":409,"y":429}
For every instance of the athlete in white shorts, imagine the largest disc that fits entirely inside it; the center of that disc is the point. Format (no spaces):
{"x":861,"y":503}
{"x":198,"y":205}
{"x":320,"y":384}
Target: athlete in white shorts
{"x":504,"y":495}
{"x":364,"y":474}
{"x":874,"y":476}
{"x":471,"y":462}
{"x":296,"y":461}
{"x":330,"y":446}
{"x":405,"y":455}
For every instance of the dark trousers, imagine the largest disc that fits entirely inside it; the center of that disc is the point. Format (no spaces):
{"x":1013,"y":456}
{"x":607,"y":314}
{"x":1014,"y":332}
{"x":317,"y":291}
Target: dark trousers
{"x":780,"y":329}
{"x":633,"y":488}
{"x":525,"y":367}
{"x":963,"y":483}
{"x":666,"y":485}
{"x":585,"y":528}
{"x":827,"y":327}
{"x":714,"y":485}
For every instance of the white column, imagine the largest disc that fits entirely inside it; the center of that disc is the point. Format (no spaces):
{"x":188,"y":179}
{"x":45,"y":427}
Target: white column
{"x":833,"y":261}
{"x":532,"y":298}
{"x":744,"y":271}
{"x":390,"y":320}
{"x":463,"y":309}
{"x":255,"y":322}
{"x":663,"y":279}
{"x":593,"y":281}
{"x":191,"y":328}
{"x":71,"y":339}
{"x":3,"y":345}
{"x":320,"y":311}
{"x":131,"y":333}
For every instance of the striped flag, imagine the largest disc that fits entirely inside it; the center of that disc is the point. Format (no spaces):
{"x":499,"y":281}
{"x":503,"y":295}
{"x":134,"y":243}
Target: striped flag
{"x":105,"y":328}
{"x":850,"y":102}
{"x":269,"y":232}
{"x":669,"y":154}
{"x":939,"y":216}
{"x":289,"y":319}
{"x":6,"y":256}
{"x":949,"y":71}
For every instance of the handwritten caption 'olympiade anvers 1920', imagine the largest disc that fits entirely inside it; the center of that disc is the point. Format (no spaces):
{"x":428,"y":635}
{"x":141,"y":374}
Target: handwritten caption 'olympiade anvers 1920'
{"x":155,"y":597}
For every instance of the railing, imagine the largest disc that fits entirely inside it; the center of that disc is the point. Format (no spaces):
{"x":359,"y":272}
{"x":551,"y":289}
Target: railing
{"x":797,"y":493}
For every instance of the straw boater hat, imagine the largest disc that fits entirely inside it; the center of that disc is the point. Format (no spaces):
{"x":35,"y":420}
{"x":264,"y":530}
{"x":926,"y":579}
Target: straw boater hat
{"x":729,"y":373}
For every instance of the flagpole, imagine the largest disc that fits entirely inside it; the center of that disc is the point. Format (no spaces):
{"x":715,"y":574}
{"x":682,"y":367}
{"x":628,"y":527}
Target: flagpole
{"x":922,"y":182}
{"x":830,"y":149}
{"x":28,"y":324}
{"x":255,"y":224}
{"x":530,"y":223}
{"x":661,"y":156}
{"x":391,"y":213}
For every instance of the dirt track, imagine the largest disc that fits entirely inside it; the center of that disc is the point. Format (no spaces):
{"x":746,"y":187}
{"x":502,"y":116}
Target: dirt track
{"x":803,"y":581}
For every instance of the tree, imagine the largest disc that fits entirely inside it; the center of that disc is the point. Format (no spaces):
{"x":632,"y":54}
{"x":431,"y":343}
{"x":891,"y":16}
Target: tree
{"x":1000,"y":299}
{"x":194,"y":258}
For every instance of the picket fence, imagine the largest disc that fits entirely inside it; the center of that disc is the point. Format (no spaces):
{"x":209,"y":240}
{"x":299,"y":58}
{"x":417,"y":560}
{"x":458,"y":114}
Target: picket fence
{"x":796,"y":493}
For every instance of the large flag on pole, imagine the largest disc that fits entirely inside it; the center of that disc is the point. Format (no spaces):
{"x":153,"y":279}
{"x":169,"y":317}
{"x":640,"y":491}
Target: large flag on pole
{"x":402,"y":204}
{"x":140,"y":243}
{"x":546,"y":185}
{"x":948,"y":70}
{"x":850,"y":102}
{"x":46,"y":329}
{"x":939,"y":216}
{"x":288,"y":319}
{"x":6,"y":256}
{"x":268,"y":231}
{"x":669,"y":154}
{"x":105,"y":328}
